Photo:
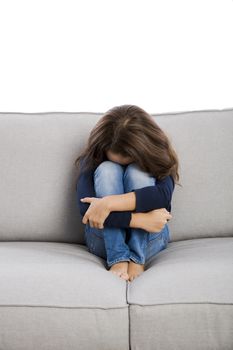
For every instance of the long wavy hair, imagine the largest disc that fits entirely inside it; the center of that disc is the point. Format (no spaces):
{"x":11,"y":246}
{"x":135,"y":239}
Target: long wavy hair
{"x":130,"y":131}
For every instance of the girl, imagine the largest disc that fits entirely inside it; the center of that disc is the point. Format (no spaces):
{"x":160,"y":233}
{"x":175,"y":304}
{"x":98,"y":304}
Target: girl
{"x":127,"y":174}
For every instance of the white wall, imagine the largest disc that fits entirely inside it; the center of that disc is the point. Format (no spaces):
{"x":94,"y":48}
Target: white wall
{"x":90,"y":55}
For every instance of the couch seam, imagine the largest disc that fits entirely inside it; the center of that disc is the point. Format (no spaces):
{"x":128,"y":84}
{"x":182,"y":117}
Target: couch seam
{"x":180,"y":303}
{"x":129,"y":319}
{"x":66,"y":307}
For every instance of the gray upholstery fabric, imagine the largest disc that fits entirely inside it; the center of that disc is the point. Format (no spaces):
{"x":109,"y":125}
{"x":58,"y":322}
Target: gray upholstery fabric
{"x":57,"y":274}
{"x":53,"y":328}
{"x":204,"y":143}
{"x":38,"y":176}
{"x":189,"y":271}
{"x":181,"y":327}
{"x":37,"y":187}
{"x":59,"y":296}
{"x":184,"y":299}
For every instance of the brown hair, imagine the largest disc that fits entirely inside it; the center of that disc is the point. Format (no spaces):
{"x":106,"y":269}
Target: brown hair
{"x":130,"y":131}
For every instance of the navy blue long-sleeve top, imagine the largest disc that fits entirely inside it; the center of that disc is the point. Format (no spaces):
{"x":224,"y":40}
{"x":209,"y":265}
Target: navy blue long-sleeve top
{"x":147,"y":198}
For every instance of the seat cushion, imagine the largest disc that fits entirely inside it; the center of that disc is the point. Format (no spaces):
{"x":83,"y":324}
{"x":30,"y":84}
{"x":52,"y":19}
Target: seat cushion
{"x":59,"y":296}
{"x":184,"y":299}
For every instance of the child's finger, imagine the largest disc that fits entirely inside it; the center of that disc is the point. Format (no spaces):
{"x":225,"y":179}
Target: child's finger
{"x":86,"y":199}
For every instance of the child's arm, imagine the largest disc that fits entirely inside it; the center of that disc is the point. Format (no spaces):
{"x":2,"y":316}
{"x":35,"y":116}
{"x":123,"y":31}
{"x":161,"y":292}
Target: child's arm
{"x":144,"y":199}
{"x":85,"y":188}
{"x":121,"y":202}
{"x":121,"y":206}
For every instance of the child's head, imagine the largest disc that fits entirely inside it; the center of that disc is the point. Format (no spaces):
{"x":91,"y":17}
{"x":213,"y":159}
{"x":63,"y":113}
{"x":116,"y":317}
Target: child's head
{"x":128,"y":134}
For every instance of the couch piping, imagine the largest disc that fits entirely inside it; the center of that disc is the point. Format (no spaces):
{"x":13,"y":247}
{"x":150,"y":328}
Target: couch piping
{"x":101,"y":113}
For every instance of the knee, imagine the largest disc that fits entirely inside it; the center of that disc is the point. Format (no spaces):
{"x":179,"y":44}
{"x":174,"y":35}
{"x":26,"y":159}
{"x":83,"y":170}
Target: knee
{"x":132,"y":167}
{"x":107,"y":169}
{"x":133,"y":171}
{"x":108,"y":179}
{"x":134,"y":177}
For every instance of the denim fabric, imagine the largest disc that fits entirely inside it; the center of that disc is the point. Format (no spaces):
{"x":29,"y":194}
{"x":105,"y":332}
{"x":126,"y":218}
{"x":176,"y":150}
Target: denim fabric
{"x":120,"y":244}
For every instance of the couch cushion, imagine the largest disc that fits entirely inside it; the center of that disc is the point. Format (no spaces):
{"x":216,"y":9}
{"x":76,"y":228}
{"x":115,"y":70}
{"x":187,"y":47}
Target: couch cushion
{"x":184,"y":299}
{"x":38,"y":176}
{"x":203,"y":206}
{"x":62,"y":295}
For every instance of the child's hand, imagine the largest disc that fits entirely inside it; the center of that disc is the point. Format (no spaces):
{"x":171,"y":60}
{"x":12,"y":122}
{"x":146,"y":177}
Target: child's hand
{"x":97,"y":212}
{"x":156,"y":219}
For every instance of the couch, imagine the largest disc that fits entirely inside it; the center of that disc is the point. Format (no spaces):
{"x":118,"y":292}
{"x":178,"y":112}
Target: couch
{"x":54,"y":294}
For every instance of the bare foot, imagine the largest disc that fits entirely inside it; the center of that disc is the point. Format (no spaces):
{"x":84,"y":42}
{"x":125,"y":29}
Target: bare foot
{"x":120,"y":269}
{"x":134,"y":270}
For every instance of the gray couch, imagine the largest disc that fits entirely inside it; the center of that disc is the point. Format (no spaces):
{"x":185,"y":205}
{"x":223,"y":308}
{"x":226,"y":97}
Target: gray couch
{"x":54,"y":294}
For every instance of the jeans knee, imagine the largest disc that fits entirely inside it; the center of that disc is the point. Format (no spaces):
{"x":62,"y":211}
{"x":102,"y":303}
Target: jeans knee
{"x":108,"y":179}
{"x":107,"y":167}
{"x":135,"y":178}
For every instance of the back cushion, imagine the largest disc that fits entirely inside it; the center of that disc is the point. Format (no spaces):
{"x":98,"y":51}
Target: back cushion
{"x":203,"y":207}
{"x":38,"y":175}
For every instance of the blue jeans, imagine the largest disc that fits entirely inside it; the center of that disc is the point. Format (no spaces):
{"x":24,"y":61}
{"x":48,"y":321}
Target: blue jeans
{"x":123,"y":244}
